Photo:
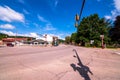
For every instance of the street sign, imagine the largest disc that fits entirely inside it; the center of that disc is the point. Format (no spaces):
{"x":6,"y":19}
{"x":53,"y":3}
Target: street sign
{"x":102,"y":36}
{"x":91,"y":41}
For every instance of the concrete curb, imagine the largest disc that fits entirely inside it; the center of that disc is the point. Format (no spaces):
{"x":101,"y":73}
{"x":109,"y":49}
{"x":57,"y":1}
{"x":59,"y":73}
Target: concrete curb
{"x":117,"y":53}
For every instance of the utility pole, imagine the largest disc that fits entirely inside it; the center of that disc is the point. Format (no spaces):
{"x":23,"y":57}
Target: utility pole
{"x":102,"y":41}
{"x":78,"y":17}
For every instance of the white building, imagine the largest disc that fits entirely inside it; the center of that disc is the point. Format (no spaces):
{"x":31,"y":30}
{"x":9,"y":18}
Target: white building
{"x":47,"y":38}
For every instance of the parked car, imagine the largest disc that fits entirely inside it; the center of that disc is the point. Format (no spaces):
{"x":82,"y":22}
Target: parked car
{"x":10,"y":45}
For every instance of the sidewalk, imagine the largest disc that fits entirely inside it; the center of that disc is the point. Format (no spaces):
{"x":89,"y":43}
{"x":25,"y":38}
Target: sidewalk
{"x":2,"y":46}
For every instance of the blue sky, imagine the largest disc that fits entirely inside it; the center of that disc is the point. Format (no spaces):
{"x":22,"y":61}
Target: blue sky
{"x":54,"y":17}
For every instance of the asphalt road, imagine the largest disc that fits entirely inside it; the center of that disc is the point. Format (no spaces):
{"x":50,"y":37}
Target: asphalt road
{"x":58,"y":63}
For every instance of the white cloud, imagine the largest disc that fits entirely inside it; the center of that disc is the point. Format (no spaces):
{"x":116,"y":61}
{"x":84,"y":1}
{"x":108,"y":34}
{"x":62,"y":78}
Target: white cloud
{"x":21,"y":1}
{"x":115,"y":12}
{"x":60,"y":35}
{"x":49,"y":27}
{"x":98,"y":0}
{"x":10,"y":15}
{"x":25,"y":11}
{"x":56,"y":3}
{"x":107,"y":17}
{"x":10,"y":33}
{"x":7,"y":26}
{"x":42,"y":18}
{"x":63,"y":35}
{"x":36,"y":25}
{"x":53,"y":4}
{"x":33,"y":35}
{"x":117,"y":4}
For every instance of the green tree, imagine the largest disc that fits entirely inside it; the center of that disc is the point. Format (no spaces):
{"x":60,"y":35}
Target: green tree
{"x":3,"y":36}
{"x":91,"y":28}
{"x":115,"y":31}
{"x":67,"y":40}
{"x":73,"y":37}
{"x":61,"y":41}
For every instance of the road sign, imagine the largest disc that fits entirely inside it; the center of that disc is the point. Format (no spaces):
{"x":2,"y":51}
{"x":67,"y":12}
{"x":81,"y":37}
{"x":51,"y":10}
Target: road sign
{"x":91,"y":41}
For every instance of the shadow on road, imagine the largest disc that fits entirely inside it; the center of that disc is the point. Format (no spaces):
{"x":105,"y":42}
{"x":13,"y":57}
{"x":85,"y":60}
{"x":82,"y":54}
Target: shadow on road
{"x":82,"y":69}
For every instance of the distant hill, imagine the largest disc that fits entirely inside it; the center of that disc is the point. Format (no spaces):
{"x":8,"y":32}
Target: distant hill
{"x":2,"y":35}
